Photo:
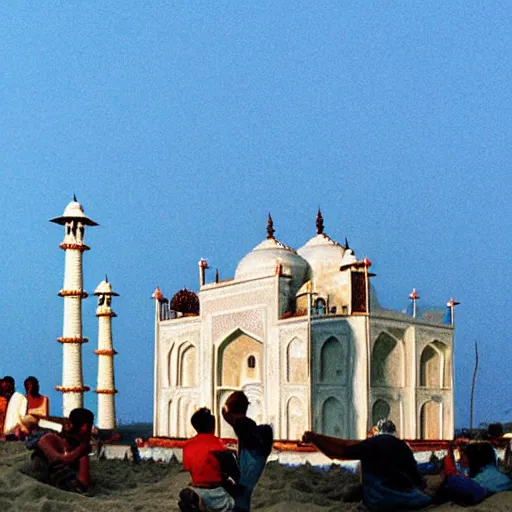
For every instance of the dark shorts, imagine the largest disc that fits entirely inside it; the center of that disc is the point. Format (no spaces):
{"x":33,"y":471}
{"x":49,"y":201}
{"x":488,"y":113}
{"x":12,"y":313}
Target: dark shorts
{"x":58,"y":475}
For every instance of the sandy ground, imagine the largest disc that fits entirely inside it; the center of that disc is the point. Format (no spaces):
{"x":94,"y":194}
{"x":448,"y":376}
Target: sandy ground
{"x":120,"y":485}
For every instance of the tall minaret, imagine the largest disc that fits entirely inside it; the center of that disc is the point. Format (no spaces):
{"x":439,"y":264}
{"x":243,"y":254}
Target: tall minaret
{"x":74,"y":221}
{"x":106,"y":391}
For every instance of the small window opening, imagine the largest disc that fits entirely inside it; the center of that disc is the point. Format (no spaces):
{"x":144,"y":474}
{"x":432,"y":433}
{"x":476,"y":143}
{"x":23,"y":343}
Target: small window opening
{"x":251,"y":362}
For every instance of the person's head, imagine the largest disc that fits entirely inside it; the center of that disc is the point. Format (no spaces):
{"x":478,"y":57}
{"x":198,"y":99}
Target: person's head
{"x":479,"y":454}
{"x":203,"y":421}
{"x":237,"y":402}
{"x":8,"y":385}
{"x":31,"y":386}
{"x":495,"y":430}
{"x":80,"y":422}
{"x":385,"y":426}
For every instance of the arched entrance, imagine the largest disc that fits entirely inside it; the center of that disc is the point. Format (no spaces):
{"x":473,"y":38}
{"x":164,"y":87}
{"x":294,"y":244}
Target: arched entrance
{"x":332,"y":418}
{"x":239,"y":367}
{"x":431,"y":420}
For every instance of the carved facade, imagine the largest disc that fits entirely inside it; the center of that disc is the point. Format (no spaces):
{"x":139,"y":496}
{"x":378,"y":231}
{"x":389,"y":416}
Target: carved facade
{"x":302,"y":334}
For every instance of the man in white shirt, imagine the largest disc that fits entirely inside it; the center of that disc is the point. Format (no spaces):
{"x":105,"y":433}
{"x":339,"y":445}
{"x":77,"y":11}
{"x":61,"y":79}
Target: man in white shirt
{"x":16,"y":409}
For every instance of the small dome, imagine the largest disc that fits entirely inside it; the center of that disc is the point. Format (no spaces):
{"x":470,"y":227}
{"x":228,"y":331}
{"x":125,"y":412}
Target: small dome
{"x":105,"y":288}
{"x":74,"y":210}
{"x":185,"y":302}
{"x":264,"y":259}
{"x":323,"y":252}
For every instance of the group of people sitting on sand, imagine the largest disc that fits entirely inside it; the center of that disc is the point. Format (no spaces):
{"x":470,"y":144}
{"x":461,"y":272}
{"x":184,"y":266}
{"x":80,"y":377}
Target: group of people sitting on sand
{"x":224,"y":480}
{"x":390,"y":477}
{"x":20,"y":413}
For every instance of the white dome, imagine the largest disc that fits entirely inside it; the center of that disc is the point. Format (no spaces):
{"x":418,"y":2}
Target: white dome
{"x":264,"y":259}
{"x":104,"y":288}
{"x":74,"y":210}
{"x":322,"y":252}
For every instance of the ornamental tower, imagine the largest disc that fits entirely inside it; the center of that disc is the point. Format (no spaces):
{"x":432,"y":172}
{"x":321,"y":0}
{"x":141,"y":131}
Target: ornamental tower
{"x":106,"y":391}
{"x":74,"y":221}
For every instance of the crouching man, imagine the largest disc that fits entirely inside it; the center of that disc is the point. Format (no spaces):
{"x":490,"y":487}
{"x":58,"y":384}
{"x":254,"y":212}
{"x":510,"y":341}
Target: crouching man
{"x":206,"y":457}
{"x":62,"y":459}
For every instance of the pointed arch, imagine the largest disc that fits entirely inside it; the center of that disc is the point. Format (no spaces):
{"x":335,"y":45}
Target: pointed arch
{"x":387,"y":364}
{"x":435,"y":366}
{"x":187,"y":366}
{"x":333,"y":362}
{"x":233,"y":354}
{"x":296,"y":361}
{"x":431,"y":420}
{"x":171,"y":370}
{"x":332,"y":417}
{"x":295,"y":418}
{"x":181,"y":418}
{"x":380,"y":410}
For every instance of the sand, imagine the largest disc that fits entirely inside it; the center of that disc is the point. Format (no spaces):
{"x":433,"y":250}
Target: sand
{"x":123,"y":486}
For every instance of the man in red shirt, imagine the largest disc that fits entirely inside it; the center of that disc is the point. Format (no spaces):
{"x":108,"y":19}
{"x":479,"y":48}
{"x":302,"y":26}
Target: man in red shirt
{"x":201,"y":459}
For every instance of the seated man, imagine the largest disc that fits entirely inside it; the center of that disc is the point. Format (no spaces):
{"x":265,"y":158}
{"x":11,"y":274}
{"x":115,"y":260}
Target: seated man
{"x":62,"y":459}
{"x":254,"y":446}
{"x":201,"y":456}
{"x":391,"y":480}
{"x":483,"y":467}
{"x":16,"y":409}
{"x":483,"y":477}
{"x":37,"y":405}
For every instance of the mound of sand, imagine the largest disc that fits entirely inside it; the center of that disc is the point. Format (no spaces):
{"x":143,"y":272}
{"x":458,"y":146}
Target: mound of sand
{"x":123,"y":486}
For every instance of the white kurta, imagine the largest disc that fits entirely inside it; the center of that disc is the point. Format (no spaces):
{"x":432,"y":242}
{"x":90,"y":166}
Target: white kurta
{"x":16,"y":409}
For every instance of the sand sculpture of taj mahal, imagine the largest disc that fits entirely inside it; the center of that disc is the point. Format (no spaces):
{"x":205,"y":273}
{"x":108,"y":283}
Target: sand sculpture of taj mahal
{"x":302,"y":333}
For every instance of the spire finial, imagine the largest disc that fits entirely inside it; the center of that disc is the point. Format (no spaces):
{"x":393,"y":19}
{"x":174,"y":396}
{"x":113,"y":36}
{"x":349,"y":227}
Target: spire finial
{"x":106,"y":278}
{"x":347,"y":247}
{"x":319,"y":223}
{"x":270,"y":227}
{"x":74,"y":198}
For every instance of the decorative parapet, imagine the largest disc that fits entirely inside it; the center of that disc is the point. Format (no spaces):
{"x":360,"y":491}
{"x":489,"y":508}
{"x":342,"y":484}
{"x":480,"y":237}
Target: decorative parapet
{"x":105,"y":352}
{"x":416,"y":445}
{"x":106,"y":391}
{"x":62,"y":339}
{"x":73,"y":293}
{"x":75,"y":389}
{"x":74,"y":247}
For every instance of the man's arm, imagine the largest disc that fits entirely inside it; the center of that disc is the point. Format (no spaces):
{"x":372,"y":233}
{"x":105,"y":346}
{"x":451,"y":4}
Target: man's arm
{"x":84,"y":475}
{"x":54,"y":449}
{"x":333,"y":447}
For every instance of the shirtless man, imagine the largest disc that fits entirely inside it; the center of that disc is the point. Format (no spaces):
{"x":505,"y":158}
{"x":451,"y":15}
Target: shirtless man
{"x":62,"y":459}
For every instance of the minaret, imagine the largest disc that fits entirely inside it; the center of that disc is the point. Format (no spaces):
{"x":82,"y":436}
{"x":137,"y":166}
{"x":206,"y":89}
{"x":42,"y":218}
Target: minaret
{"x":74,"y":221}
{"x":106,"y":391}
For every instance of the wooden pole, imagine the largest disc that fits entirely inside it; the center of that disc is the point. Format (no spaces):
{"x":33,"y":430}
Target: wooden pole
{"x":473,"y":389}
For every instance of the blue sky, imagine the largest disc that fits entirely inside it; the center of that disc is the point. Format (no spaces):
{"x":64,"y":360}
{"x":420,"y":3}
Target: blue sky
{"x":180,"y":125}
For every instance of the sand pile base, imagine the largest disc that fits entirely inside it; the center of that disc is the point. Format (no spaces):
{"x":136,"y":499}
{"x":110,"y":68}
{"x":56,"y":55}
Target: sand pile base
{"x":123,"y":486}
